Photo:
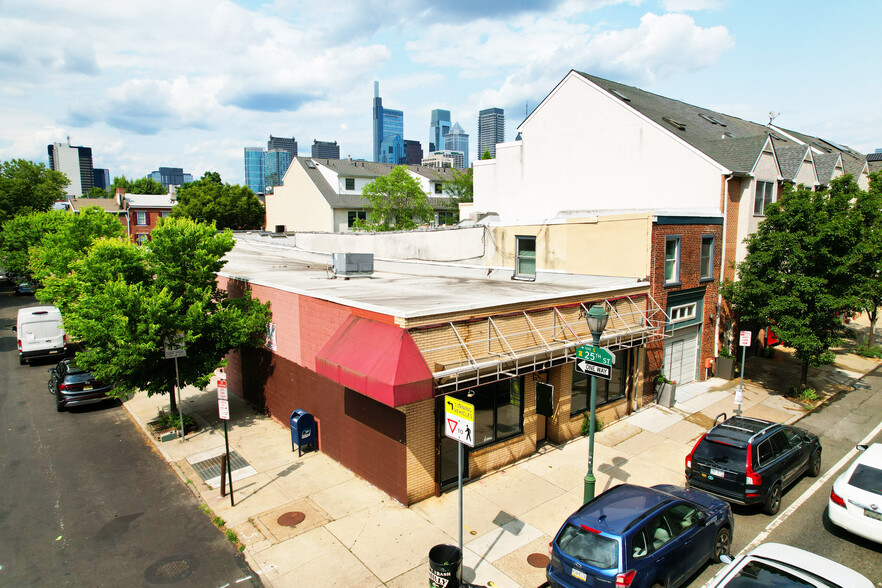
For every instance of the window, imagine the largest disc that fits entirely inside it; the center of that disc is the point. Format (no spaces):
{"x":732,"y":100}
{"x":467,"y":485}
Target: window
{"x":141,"y":218}
{"x":589,"y":547}
{"x":350,"y":183}
{"x":684,"y":312}
{"x":165,"y":214}
{"x":141,"y":238}
{"x":499,"y":410}
{"x":525,"y":264}
{"x":707,"y":257}
{"x":438,"y":189}
{"x":354,"y":215}
{"x":607,"y":390}
{"x":681,"y":518}
{"x":448,"y":217}
{"x":764,"y":193}
{"x":672,"y":260}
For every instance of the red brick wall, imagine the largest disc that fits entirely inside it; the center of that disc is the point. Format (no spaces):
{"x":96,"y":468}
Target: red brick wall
{"x":732,"y":226}
{"x":153,"y":216}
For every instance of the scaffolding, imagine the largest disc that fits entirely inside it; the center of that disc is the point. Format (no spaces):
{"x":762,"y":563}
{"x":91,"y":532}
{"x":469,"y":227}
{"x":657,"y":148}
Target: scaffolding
{"x":468,"y":353}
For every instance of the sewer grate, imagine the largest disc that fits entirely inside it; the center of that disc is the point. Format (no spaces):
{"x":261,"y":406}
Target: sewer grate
{"x":211,"y":468}
{"x":537,"y":560}
{"x":291,"y":519}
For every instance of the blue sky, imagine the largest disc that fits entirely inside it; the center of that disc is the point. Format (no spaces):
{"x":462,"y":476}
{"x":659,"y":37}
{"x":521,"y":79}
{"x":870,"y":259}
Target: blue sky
{"x":190,"y":84}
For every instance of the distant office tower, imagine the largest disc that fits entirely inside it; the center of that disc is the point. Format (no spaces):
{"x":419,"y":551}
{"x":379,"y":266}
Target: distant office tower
{"x":325,"y":149}
{"x":170,"y":176}
{"x":458,"y":140}
{"x":388,"y":126}
{"x":445,"y":160}
{"x":102,"y":177}
{"x":275,"y":164}
{"x":491,"y":130}
{"x":439,"y":127}
{"x":289,"y":145}
{"x":254,"y":174}
{"x":76,"y":164}
{"x":413,"y":152}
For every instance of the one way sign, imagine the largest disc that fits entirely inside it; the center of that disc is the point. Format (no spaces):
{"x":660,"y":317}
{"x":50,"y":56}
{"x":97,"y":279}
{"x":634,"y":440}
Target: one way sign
{"x":594,"y":369}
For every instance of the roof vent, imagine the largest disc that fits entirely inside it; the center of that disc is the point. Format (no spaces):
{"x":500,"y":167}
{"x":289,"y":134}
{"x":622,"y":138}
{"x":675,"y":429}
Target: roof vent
{"x":351,"y":265}
{"x":670,"y":121}
{"x":620,"y":95}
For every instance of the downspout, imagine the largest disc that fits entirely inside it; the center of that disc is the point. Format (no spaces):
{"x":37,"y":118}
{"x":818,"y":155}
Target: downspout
{"x":722,"y":265}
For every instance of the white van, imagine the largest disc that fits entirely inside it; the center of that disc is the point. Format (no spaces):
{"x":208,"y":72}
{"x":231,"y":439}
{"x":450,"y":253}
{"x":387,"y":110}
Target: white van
{"x":40,"y":333}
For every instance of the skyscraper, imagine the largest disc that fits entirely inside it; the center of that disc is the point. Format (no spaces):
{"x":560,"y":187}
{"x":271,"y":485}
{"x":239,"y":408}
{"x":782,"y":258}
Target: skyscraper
{"x":491,"y":130}
{"x":413,"y":152}
{"x":170,"y":176}
{"x":325,"y":149}
{"x":458,"y":140}
{"x":275,"y":164}
{"x":289,"y":145}
{"x":254,"y":169}
{"x":439,"y":127}
{"x":75,"y":163}
{"x":102,"y":177}
{"x":388,"y":125}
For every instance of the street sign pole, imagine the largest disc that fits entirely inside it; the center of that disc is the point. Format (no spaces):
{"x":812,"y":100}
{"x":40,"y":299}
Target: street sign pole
{"x":459,"y":424}
{"x":744,"y":341}
{"x":596,"y":362}
{"x":223,"y":409}
{"x":459,"y":465}
{"x":180,"y":399}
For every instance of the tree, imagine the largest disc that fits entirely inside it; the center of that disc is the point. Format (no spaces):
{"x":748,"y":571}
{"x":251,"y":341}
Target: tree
{"x":123,"y":302}
{"x":461,"y":187}
{"x":143,"y":185}
{"x":796,"y":275}
{"x":868,"y":268}
{"x":24,"y":232}
{"x":210,"y":201}
{"x":97,"y":192}
{"x":397,"y":201}
{"x":486,"y":154}
{"x":26,"y":187}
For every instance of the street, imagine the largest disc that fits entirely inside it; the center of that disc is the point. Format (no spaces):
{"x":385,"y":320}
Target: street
{"x":86,"y":500}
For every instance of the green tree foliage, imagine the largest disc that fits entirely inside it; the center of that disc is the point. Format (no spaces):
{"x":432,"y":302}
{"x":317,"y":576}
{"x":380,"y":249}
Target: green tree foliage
{"x":797,"y":275}
{"x":228,"y":206}
{"x":397,"y":201}
{"x":486,"y":154}
{"x":25,"y":232}
{"x":123,"y":301}
{"x":26,"y":187}
{"x":140,"y":186}
{"x":461,"y":187}
{"x":868,"y":253}
{"x":97,"y":192}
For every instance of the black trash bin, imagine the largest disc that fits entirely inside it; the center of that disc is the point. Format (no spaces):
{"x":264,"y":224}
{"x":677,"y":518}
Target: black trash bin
{"x":445,"y":566}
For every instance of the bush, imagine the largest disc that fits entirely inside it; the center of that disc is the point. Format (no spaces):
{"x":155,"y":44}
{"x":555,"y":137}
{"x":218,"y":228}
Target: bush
{"x":231,"y":536}
{"x":586,"y":424}
{"x":167,"y":421}
{"x":868,"y":351}
{"x":724,"y":352}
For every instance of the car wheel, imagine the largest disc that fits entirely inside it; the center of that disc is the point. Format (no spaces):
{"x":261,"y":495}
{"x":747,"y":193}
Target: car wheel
{"x":723,"y":544}
{"x":773,"y":500}
{"x":814,"y":467}
{"x":58,"y":406}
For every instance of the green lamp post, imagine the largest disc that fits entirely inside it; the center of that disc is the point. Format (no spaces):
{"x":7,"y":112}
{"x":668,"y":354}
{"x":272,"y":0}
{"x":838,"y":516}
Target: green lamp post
{"x":597,"y":318}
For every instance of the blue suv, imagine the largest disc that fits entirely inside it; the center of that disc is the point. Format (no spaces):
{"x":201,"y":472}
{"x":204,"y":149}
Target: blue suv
{"x":631,"y":536}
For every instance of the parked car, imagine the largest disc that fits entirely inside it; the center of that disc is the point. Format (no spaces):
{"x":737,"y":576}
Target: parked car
{"x":74,"y":386}
{"x":855,"y":502}
{"x":752,"y":461}
{"x":23,"y":289}
{"x":631,"y":536}
{"x":783,"y":566}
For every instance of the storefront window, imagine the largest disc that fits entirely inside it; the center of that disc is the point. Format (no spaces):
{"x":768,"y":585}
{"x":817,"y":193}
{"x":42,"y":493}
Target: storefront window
{"x":607,"y":390}
{"x":499,"y":410}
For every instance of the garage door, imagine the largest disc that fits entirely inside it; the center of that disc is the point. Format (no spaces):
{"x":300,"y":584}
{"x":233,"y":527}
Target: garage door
{"x":681,"y":355}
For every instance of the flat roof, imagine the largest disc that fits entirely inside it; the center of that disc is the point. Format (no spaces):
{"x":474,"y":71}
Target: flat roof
{"x":406,"y":289}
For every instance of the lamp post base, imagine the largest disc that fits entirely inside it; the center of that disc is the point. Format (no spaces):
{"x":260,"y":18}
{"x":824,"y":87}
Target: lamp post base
{"x":589,"y":487}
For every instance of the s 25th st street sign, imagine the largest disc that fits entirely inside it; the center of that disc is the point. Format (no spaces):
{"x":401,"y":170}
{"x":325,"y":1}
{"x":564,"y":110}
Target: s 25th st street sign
{"x":595,"y":361}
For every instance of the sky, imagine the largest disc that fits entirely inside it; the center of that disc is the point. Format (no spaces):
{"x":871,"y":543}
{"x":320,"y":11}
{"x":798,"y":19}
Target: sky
{"x":191,"y":83}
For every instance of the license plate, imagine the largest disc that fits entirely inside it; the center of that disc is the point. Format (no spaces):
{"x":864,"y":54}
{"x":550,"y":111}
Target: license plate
{"x":873,"y":514}
{"x":53,"y":351}
{"x":717,"y":473}
{"x":87,"y":387}
{"x":579,"y":574}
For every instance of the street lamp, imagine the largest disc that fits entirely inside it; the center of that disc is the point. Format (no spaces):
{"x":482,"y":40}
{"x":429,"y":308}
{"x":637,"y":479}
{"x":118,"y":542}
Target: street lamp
{"x":597,"y":318}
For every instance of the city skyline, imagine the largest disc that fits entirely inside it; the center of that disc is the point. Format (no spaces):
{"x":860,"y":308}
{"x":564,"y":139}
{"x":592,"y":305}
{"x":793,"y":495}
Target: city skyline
{"x":146,"y":94}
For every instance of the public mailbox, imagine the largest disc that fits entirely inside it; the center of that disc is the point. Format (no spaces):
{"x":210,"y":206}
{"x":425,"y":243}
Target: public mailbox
{"x":302,"y":430}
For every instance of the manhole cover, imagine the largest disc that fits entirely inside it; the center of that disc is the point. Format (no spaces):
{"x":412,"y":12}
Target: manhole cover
{"x":290,"y":519}
{"x":171,"y":569}
{"x":537,"y":560}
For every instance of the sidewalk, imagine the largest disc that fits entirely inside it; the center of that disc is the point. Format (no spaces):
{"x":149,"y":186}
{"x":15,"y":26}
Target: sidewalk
{"x":349,"y":533}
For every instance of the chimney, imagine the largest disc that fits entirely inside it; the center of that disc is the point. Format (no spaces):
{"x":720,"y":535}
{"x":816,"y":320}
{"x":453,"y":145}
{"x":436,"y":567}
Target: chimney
{"x":121,"y":197}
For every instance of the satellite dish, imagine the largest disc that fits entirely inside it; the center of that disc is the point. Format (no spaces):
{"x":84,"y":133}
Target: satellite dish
{"x":773,"y":114}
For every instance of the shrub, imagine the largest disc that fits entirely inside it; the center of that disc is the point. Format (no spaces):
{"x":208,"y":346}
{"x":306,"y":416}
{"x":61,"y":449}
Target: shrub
{"x":172,"y":420}
{"x":868,"y":351}
{"x":586,"y":424}
{"x":231,"y":536}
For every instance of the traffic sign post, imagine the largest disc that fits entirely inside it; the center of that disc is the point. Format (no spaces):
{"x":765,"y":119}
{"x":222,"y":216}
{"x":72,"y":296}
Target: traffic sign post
{"x":223,"y":410}
{"x":744,"y":341}
{"x":175,"y":348}
{"x":595,"y":361}
{"x":459,"y":424}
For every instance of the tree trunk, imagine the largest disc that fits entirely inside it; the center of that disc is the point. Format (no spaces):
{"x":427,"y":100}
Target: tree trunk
{"x":172,"y":401}
{"x":871,"y":338}
{"x":803,"y":383}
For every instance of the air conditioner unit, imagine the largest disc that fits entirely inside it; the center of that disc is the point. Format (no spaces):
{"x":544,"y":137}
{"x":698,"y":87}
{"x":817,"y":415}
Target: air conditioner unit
{"x":353,"y":264}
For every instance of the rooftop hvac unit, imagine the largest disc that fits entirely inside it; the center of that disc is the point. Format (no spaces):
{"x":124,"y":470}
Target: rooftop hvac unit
{"x":353,"y":264}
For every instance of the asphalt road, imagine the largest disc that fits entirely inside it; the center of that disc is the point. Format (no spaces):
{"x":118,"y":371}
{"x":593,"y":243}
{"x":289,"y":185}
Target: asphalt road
{"x":841,"y":425}
{"x":84,"y":498}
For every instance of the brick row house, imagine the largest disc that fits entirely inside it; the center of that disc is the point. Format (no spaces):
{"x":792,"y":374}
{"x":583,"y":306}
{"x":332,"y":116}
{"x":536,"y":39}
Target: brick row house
{"x":138,"y":213}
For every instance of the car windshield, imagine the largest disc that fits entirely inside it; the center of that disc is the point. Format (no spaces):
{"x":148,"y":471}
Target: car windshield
{"x":758,"y":574}
{"x":589,"y":547}
{"x":867,"y":478}
{"x":720,"y":454}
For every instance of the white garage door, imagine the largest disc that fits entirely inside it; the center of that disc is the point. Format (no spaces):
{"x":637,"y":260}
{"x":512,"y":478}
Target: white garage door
{"x":681,"y":355}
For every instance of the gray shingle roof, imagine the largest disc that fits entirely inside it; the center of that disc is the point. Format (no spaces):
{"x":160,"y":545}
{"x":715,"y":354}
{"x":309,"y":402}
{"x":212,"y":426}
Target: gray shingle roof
{"x":790,"y":157}
{"x":825,"y":163}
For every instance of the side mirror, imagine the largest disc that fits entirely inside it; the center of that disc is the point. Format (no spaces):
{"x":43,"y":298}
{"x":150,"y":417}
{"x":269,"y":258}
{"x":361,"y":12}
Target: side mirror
{"x":861,"y":447}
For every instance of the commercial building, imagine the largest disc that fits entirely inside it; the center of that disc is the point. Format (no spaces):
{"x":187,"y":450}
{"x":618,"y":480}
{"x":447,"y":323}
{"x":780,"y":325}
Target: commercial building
{"x":491,"y":130}
{"x":255,"y":169}
{"x":102,"y":177}
{"x":445,"y":160}
{"x":388,"y":131}
{"x":170,"y":176}
{"x":289,"y":145}
{"x":438,"y":127}
{"x":275,"y":164}
{"x":458,"y":140}
{"x":325,"y":149}
{"x":76,"y":164}
{"x":413,"y":152}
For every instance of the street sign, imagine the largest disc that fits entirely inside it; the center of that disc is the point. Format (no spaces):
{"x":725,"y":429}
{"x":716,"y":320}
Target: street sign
{"x":739,"y":395}
{"x":223,"y":409}
{"x":222,"y":390}
{"x":175,"y":347}
{"x":595,"y":361}
{"x":744,"y":340}
{"x":459,"y":420}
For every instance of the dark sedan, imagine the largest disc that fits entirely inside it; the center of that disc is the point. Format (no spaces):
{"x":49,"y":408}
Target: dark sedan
{"x":73,"y":386}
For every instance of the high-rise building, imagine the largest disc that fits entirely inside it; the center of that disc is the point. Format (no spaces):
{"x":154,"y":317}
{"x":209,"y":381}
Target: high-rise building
{"x":275,"y":164}
{"x":388,"y":124}
{"x":413,"y":152}
{"x":491,"y":130}
{"x":102,"y":177}
{"x":438,"y":127}
{"x":76,"y":164}
{"x":171,"y":176}
{"x":254,"y":169}
{"x":445,"y":160}
{"x":458,"y":140}
{"x":325,"y":149}
{"x":289,"y":145}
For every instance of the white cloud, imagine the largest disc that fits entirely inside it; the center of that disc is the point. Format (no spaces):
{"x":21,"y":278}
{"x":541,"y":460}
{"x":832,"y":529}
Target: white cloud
{"x":691,"y":5}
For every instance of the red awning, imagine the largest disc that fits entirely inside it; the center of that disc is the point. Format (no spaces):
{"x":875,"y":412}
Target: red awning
{"x":378,"y":360}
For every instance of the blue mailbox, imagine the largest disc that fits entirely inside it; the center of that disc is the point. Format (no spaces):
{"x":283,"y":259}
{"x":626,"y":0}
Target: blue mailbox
{"x":302,"y":430}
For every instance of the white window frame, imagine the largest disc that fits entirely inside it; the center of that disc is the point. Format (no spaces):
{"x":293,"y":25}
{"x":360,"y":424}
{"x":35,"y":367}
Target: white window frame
{"x":759,"y":205}
{"x":675,"y":274}
{"x":683,"y":312}
{"x":518,"y":257}
{"x":346,"y":182}
{"x":141,"y":218}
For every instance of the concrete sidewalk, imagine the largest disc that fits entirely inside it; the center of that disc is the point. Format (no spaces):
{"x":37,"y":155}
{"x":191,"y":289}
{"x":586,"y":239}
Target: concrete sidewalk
{"x":352,"y":534}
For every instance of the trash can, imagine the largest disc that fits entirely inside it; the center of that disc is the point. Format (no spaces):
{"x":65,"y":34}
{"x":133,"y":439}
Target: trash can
{"x":445,"y":566}
{"x":302,"y":430}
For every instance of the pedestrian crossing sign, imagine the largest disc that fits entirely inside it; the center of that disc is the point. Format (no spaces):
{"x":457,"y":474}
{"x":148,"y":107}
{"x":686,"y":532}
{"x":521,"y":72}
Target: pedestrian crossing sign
{"x":459,"y":420}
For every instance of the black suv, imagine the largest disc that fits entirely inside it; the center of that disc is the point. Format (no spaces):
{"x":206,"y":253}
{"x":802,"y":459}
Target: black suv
{"x":748,"y":461}
{"x":73,"y":386}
